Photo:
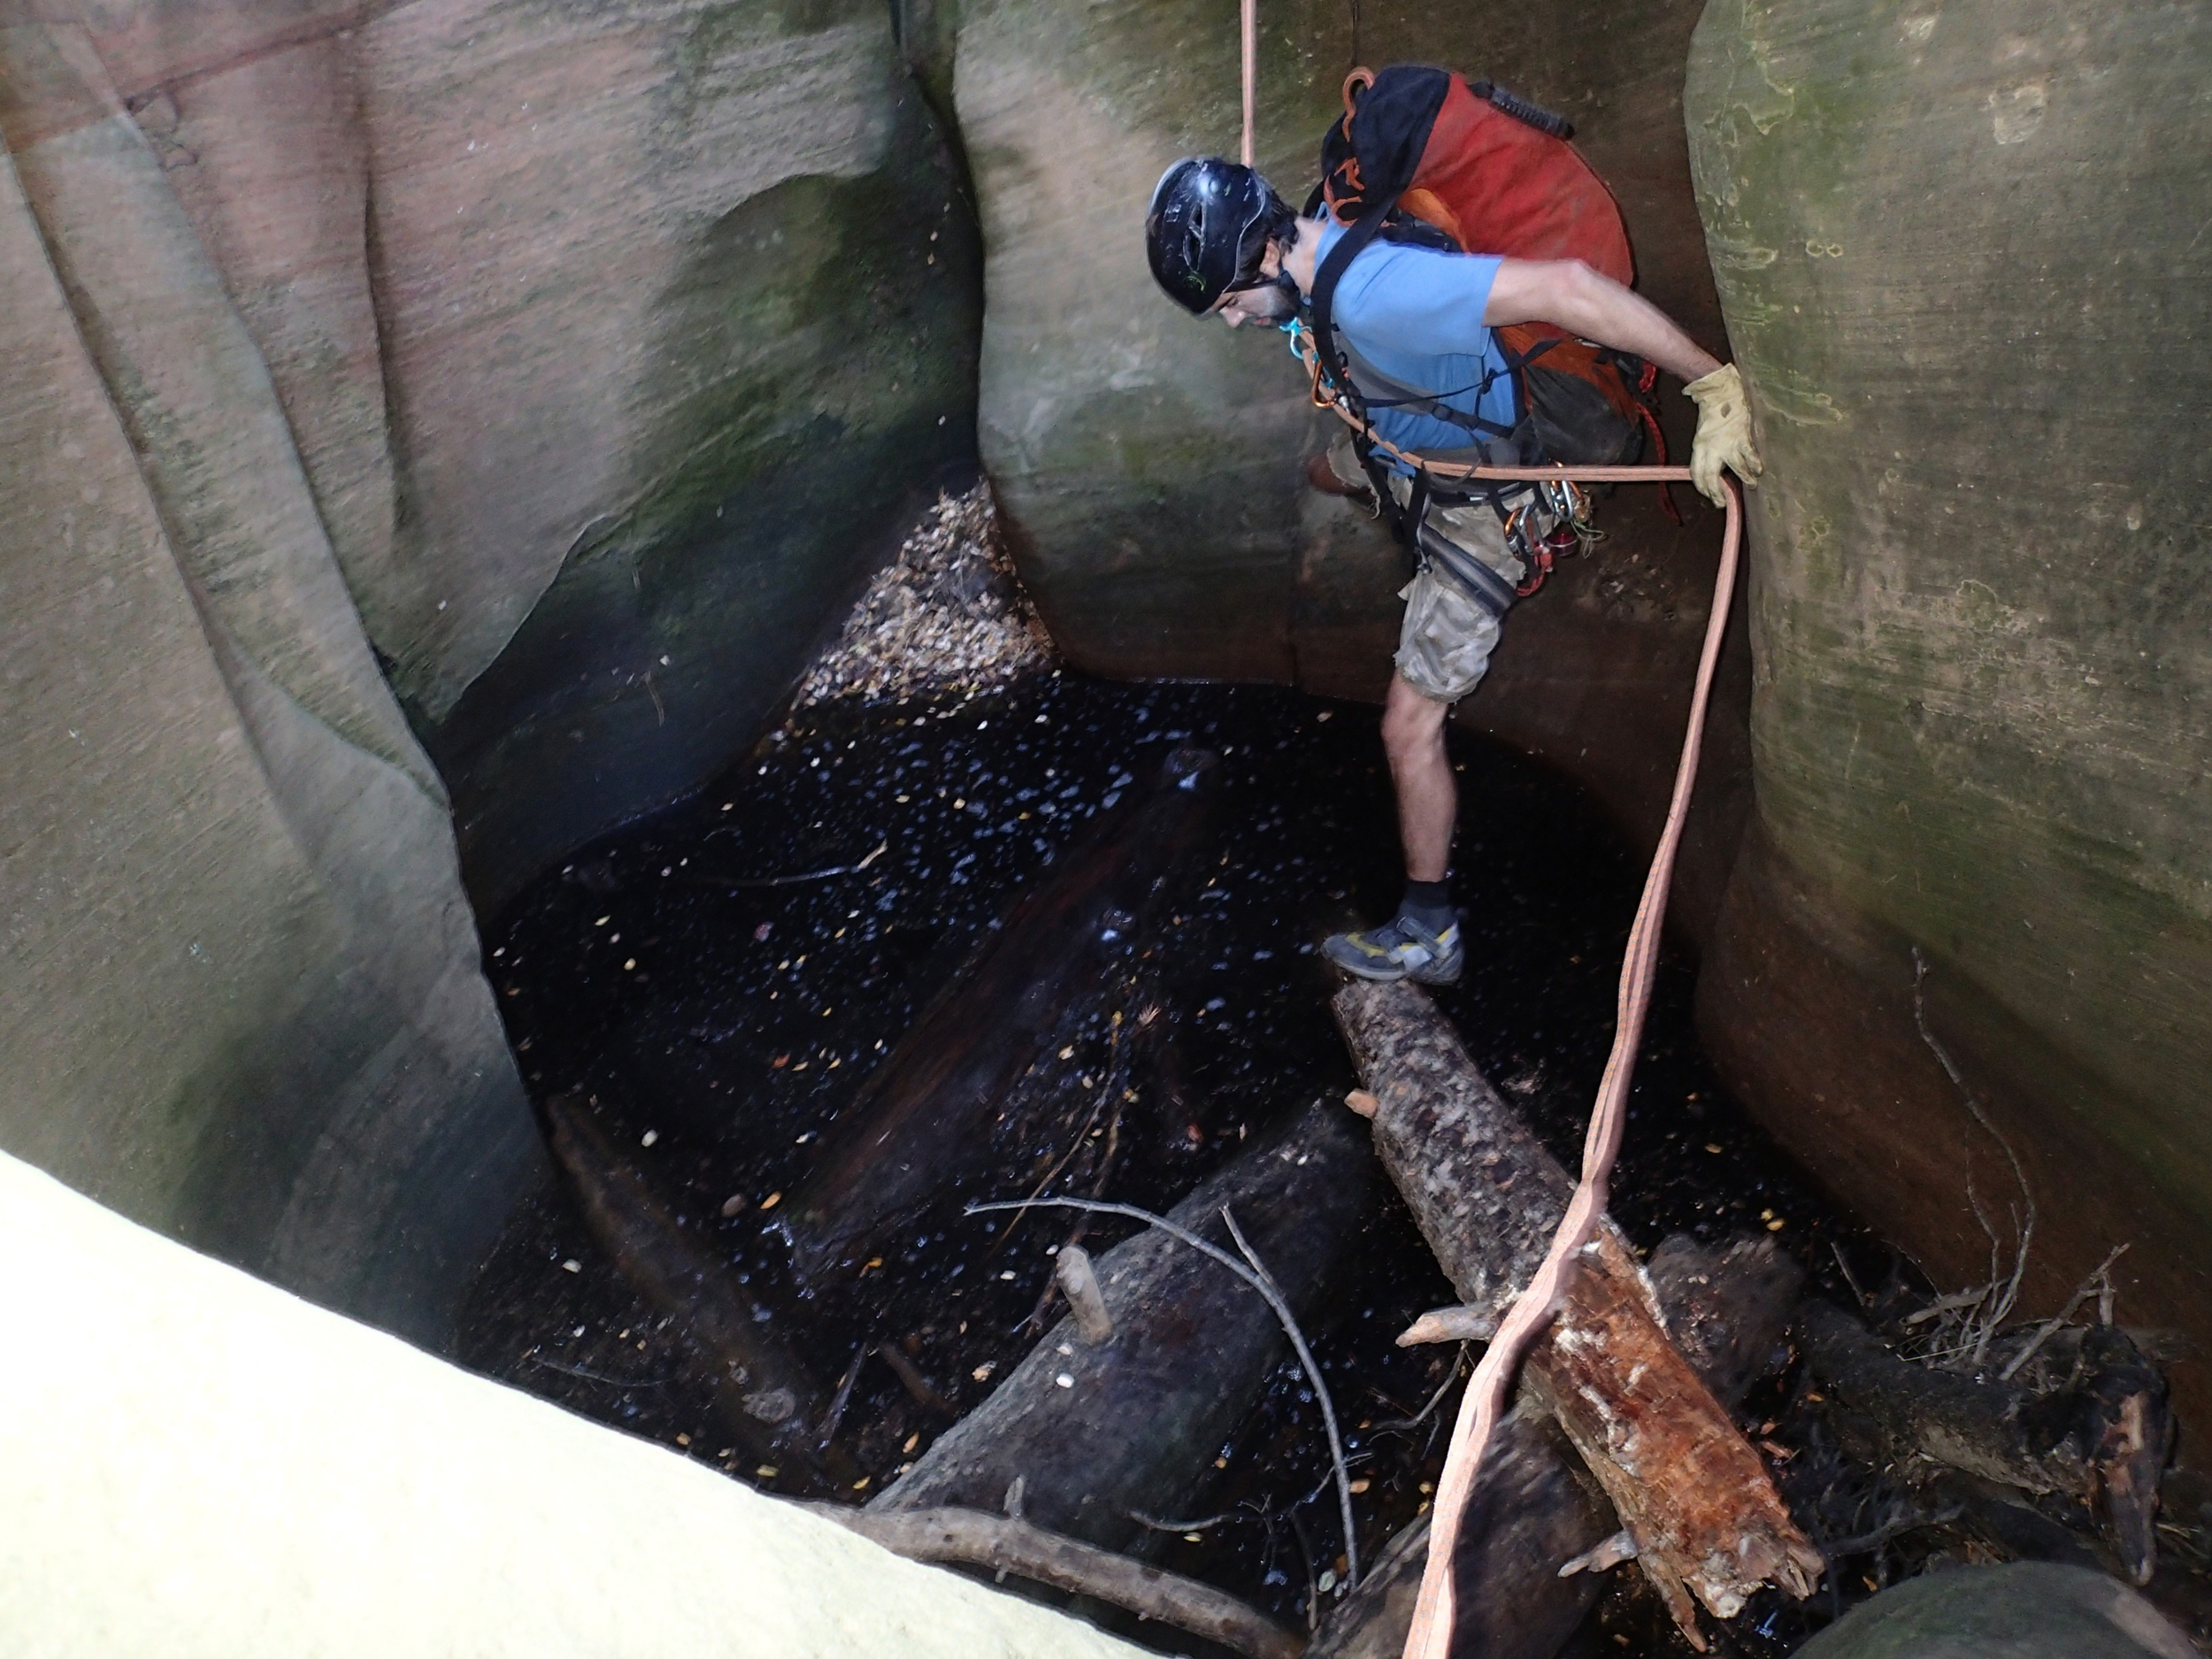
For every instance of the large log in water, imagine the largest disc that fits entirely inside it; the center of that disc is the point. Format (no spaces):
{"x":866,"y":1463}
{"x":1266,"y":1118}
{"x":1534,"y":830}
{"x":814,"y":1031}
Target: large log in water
{"x":764,"y":1395}
{"x":1487,"y":1196}
{"x":1093,"y":1434}
{"x":1532,"y":1512}
{"x":919,"y":1122}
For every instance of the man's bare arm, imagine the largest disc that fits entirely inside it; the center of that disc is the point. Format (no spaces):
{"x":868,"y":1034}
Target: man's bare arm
{"x":1569,"y":295}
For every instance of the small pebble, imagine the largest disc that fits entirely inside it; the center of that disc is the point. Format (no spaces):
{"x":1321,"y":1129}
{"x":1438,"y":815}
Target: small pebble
{"x":648,"y":1137}
{"x":771,"y":1200}
{"x":572,"y":1265}
{"x":1064,"y":1380}
{"x":734,"y":1204}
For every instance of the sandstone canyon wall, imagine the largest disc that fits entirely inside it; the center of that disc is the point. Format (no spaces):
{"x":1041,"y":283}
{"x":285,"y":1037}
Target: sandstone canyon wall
{"x":510,"y":387}
{"x":243,"y":1002}
{"x":1961,"y":250}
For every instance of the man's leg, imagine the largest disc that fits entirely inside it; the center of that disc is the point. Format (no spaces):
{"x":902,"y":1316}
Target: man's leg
{"x":1443,"y":650}
{"x":1428,"y":799}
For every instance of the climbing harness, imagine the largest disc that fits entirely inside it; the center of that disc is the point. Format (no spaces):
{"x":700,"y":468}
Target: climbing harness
{"x":1484,"y":1402}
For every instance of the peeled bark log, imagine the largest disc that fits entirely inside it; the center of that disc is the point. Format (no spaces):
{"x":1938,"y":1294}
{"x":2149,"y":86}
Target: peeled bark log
{"x":921,"y":1121}
{"x":1139,"y":1419}
{"x":1530,"y":1513}
{"x":764,"y":1395}
{"x":1487,"y":1196}
{"x":1002,"y":1544}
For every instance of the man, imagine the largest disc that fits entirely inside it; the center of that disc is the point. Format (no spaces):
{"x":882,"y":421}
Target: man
{"x":1222,"y":244}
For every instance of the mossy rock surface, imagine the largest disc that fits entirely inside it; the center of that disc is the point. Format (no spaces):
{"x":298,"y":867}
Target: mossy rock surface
{"x":2025,"y":1610}
{"x":1968,"y":296}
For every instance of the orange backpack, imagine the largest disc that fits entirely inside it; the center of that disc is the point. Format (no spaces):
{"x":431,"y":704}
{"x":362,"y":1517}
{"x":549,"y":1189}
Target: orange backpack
{"x":1496,"y":175}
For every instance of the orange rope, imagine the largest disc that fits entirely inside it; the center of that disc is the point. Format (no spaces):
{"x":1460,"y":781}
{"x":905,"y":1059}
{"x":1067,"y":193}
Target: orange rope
{"x":1484,"y":1402}
{"x":1249,"y":20}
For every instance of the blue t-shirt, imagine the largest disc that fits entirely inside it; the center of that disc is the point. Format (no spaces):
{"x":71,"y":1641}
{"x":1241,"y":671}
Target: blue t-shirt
{"x":1415,"y":314}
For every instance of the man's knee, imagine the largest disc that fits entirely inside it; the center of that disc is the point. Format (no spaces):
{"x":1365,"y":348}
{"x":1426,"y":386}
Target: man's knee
{"x":1412,"y":724}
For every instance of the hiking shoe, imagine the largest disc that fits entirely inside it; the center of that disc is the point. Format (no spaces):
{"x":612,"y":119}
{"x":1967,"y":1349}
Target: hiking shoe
{"x":1400,"y":948}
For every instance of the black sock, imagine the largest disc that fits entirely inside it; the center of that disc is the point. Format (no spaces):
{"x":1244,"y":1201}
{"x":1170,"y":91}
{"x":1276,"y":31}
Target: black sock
{"x":1430,"y":903}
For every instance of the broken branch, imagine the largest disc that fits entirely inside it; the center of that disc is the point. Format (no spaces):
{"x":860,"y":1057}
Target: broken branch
{"x":973,"y":1538}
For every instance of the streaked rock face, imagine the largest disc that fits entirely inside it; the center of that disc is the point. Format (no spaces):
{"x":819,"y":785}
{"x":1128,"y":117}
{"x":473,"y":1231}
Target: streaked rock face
{"x":549,"y":366}
{"x":606,"y":334}
{"x":1968,"y":294}
{"x":243,"y":997}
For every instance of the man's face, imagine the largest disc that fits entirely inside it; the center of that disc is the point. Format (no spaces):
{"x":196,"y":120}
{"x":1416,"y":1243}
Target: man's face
{"x":1269,"y":304}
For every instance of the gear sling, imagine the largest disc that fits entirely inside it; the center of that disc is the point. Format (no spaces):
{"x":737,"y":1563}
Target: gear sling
{"x":1424,"y":156}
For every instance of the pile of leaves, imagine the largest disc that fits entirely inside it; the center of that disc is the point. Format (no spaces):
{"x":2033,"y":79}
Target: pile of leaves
{"x":947,"y":615}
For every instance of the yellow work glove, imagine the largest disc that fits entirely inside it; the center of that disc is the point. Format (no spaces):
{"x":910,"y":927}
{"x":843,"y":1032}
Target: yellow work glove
{"x":1723,"y":434}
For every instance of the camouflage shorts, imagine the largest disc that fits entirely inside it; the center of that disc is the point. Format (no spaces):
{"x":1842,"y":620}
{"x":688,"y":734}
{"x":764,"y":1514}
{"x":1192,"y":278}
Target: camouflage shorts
{"x":1445,"y":642}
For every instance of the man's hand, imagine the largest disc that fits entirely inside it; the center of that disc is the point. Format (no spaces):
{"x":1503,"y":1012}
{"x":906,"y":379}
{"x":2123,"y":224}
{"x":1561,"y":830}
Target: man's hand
{"x":1724,"y":434}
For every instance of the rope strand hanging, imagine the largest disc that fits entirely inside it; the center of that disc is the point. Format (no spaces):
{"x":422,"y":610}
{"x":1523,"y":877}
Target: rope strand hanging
{"x":1248,"y":32}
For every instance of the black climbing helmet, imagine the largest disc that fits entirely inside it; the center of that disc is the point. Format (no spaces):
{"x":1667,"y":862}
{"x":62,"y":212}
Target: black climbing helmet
{"x":1208,"y":227}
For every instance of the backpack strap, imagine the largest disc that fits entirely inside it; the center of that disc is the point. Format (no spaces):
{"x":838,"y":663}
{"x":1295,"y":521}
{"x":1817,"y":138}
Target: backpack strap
{"x":1323,"y":300}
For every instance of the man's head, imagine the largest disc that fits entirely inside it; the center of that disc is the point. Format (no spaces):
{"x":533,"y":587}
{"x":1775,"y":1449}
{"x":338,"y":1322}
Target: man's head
{"x":1209,"y":234}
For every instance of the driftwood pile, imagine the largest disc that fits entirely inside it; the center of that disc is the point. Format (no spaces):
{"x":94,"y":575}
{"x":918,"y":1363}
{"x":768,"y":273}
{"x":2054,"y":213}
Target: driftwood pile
{"x":1624,"y":1448}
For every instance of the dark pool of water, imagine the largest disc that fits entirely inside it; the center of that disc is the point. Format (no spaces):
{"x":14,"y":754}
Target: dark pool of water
{"x":720,"y":1028}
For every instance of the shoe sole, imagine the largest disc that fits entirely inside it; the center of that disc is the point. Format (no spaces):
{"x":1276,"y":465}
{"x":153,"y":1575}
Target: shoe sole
{"x":1390,"y":973}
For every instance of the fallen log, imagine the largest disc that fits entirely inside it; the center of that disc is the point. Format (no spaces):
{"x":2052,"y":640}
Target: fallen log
{"x":919,"y":1122}
{"x":1000,"y":1543}
{"x":1093,"y":1433}
{"x":764,"y":1395}
{"x":2103,"y":1439}
{"x":1531,"y":1513}
{"x":1706,"y":1518}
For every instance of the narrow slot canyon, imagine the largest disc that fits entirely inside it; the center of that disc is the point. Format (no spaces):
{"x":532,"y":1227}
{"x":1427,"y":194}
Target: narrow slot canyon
{"x":644,"y":669}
